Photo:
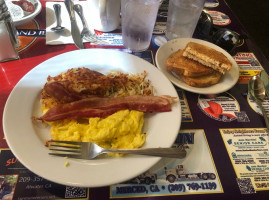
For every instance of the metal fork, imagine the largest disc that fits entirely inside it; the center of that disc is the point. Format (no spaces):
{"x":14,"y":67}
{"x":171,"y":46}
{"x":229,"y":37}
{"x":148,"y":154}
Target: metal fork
{"x":86,"y":33}
{"x":88,"y":150}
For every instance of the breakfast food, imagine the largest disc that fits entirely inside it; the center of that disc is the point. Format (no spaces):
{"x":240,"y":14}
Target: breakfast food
{"x":207,"y":56}
{"x":202,"y":81}
{"x":78,"y":83}
{"x":85,"y":105}
{"x":121,"y":130}
{"x":183,"y":66}
{"x":198,"y":65}
{"x":103,"y":107}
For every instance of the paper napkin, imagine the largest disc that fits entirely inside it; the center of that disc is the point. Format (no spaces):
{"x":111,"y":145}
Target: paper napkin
{"x":65,"y":37}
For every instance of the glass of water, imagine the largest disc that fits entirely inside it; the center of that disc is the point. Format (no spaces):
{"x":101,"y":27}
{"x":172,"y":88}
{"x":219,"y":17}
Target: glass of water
{"x":182,"y":18}
{"x":138,"y":20}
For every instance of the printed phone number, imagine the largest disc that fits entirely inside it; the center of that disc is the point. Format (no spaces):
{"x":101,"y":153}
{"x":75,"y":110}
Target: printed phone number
{"x":171,"y":188}
{"x":192,"y":186}
{"x":27,"y":179}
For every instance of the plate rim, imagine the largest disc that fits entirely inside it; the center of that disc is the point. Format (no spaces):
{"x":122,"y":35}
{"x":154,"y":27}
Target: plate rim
{"x":198,"y":90}
{"x":14,"y":149}
{"x":28,"y":18}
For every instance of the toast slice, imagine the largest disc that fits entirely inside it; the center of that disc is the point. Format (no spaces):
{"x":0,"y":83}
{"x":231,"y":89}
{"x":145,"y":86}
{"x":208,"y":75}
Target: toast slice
{"x":180,"y":65}
{"x":202,"y":81}
{"x":207,"y":56}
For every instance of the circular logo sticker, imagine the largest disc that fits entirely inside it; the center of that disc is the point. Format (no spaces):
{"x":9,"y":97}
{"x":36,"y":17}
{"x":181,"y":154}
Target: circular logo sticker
{"x":219,"y":18}
{"x":222,"y":107}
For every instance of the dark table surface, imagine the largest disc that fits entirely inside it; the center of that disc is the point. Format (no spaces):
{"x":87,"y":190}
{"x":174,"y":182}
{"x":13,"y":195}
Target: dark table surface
{"x":254,"y":17}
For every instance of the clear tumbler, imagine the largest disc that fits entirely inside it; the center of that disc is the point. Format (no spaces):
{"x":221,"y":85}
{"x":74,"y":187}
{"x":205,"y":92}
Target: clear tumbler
{"x":183,"y":16}
{"x":138,"y":20}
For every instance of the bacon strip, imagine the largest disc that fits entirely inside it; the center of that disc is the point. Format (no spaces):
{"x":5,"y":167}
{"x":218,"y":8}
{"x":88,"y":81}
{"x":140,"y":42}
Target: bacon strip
{"x":59,"y":92}
{"x":103,"y":107}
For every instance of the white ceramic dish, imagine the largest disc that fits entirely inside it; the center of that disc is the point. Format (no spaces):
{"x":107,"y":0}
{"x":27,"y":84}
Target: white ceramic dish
{"x":24,"y":19}
{"x":226,"y":82}
{"x":26,"y":138}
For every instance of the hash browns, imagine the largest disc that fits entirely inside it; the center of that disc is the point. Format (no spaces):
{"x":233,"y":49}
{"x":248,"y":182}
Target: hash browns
{"x":86,"y":82}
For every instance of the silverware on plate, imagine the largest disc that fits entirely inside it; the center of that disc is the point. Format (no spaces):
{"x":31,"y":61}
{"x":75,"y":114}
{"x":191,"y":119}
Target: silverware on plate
{"x":74,"y":27}
{"x":256,"y":91}
{"x":88,"y":150}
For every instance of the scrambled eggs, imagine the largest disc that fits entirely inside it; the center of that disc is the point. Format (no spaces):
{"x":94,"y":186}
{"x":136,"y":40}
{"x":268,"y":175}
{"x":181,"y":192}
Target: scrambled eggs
{"x":122,"y":130}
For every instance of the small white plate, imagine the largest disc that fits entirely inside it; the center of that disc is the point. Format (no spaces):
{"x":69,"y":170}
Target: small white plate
{"x":22,"y":19}
{"x":226,"y":82}
{"x":26,"y":138}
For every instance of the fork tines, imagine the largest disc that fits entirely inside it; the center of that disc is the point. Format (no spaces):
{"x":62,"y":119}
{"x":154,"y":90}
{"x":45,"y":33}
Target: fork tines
{"x":65,"y":148}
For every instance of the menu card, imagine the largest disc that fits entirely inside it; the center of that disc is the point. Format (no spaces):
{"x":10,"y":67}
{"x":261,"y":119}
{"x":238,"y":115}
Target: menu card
{"x":248,"y":151}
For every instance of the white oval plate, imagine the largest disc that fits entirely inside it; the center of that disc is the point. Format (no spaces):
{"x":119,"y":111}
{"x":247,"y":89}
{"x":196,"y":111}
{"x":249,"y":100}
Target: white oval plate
{"x":226,"y":82}
{"x":26,"y":138}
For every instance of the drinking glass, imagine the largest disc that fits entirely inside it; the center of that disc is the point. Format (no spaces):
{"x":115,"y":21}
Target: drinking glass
{"x":138,"y":20}
{"x":182,"y":18}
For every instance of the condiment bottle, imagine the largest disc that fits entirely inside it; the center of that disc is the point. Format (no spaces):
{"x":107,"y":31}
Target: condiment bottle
{"x":8,"y":35}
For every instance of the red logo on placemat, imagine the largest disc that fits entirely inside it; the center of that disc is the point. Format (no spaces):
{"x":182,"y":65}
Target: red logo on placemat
{"x":216,"y":110}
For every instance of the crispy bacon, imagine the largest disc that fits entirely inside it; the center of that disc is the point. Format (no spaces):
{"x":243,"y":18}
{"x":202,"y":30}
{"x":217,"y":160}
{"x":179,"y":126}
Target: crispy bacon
{"x":59,"y":92}
{"x":103,"y":107}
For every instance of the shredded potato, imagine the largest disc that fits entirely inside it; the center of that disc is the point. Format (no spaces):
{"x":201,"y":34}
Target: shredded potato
{"x":88,"y":82}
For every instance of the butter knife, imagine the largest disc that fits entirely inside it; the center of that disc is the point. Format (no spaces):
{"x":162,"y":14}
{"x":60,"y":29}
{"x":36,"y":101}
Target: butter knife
{"x":74,"y":27}
{"x":265,"y":80}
